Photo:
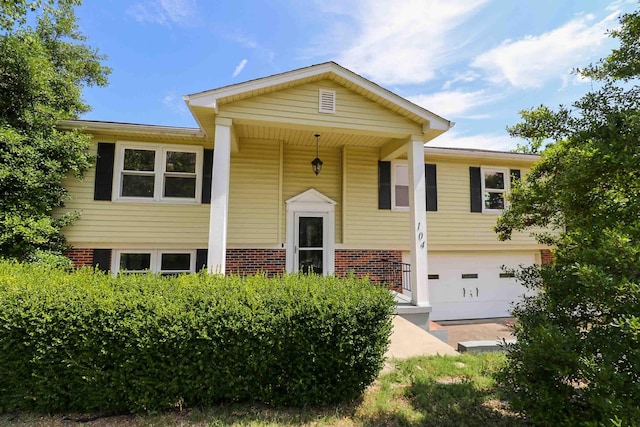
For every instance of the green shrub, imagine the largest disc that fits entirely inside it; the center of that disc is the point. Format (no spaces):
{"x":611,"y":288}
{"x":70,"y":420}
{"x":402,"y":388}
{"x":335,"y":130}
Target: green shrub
{"x":51,"y":259}
{"x":89,"y":341}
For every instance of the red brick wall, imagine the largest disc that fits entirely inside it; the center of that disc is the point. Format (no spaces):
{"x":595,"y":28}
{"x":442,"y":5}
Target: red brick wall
{"x":272,"y":262}
{"x":250,"y":261}
{"x":370,"y":263}
{"x":546,"y":256}
{"x":80,"y":257}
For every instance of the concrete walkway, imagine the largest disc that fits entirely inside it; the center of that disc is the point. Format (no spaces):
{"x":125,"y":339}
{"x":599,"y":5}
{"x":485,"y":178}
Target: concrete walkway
{"x":409,"y":340}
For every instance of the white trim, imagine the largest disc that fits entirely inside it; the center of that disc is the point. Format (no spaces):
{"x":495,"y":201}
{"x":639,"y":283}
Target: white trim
{"x":311,"y":203}
{"x":418,"y":224}
{"x":483,"y":154}
{"x":155,"y":259}
{"x":159,"y":172}
{"x":219,"y":209}
{"x":394,"y":164}
{"x":507,"y":186}
{"x":266,"y":246}
{"x":104,"y":126}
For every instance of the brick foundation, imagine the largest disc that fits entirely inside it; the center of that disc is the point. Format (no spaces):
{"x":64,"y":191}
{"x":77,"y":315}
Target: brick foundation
{"x":370,"y":263}
{"x":246,"y":262}
{"x":546,"y":257}
{"x":272,"y":262}
{"x":80,"y":257}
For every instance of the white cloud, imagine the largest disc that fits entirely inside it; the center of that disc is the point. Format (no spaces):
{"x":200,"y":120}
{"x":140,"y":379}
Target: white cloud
{"x":396,"y":42}
{"x":466,"y":77}
{"x":453,"y":103}
{"x":239,"y":67}
{"x":235,"y":36}
{"x":615,"y":6}
{"x":175,"y":104}
{"x":534,"y":60}
{"x":165,"y":12}
{"x":498,"y":142}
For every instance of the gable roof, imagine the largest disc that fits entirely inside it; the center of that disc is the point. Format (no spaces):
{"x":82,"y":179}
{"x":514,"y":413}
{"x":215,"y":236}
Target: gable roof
{"x":327,"y":70}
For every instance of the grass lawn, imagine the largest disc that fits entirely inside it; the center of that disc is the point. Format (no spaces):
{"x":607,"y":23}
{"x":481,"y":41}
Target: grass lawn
{"x":424,"y":391}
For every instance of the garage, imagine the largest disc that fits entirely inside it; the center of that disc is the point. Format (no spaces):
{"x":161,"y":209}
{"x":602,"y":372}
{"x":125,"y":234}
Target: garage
{"x":473,"y":285}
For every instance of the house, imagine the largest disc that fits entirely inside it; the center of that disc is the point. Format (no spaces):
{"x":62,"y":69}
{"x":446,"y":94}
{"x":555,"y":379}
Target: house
{"x":239,"y":194}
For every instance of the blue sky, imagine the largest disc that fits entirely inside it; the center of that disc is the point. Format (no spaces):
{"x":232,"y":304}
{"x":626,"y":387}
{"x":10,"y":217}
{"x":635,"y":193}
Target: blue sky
{"x":475,"y":62}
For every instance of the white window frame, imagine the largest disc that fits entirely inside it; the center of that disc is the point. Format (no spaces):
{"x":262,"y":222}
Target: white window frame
{"x":394,"y":164}
{"x":159,"y":172}
{"x":156,"y":260}
{"x":505,"y":191}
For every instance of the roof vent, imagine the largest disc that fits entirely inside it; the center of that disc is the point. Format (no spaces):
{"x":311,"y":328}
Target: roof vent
{"x":327,"y":102}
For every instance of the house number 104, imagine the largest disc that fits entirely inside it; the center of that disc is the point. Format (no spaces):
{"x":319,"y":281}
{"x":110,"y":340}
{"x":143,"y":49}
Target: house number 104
{"x":421,"y":239}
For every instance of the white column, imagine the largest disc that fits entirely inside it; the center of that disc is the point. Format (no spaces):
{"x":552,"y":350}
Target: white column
{"x":418,"y":223}
{"x":217,"y":249}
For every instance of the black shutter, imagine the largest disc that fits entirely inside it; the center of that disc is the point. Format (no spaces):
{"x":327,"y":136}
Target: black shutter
{"x":475,"y":181}
{"x":515,"y":175}
{"x":207,"y":164}
{"x":104,"y":171}
{"x":432,"y":188}
{"x":102,"y":259}
{"x":384,"y":185}
{"x":201,"y":259}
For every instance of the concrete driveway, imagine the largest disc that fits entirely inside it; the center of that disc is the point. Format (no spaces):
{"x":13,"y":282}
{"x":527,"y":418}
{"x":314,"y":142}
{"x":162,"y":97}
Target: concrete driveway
{"x":409,"y":340}
{"x":477,"y":330}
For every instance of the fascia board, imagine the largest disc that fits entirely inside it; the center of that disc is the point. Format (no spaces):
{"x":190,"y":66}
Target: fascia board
{"x":483,"y":154}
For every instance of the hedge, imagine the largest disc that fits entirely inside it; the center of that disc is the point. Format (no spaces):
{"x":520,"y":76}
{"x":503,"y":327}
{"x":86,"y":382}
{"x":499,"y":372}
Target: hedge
{"x":87,"y":341}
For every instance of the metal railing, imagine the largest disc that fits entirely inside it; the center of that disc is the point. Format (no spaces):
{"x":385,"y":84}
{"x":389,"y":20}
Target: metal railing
{"x":397,"y":274}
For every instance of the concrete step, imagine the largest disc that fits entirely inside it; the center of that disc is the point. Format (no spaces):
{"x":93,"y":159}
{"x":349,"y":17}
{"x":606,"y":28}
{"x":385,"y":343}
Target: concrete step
{"x":483,"y":346}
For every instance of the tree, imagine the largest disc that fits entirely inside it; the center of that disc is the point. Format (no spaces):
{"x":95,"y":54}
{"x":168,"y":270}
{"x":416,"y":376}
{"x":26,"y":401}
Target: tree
{"x":43,"y":70}
{"x":577,"y":356}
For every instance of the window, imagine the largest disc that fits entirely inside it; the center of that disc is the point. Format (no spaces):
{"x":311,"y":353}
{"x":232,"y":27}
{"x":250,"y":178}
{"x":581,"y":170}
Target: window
{"x":155,"y":261}
{"x":400,"y":186}
{"x":146,"y":172}
{"x":135,"y":262}
{"x":495,"y":185}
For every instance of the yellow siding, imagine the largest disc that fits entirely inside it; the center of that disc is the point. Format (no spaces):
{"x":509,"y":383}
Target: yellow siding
{"x":253,"y":193}
{"x":453,"y":225}
{"x":299,"y":106}
{"x":365,"y":223}
{"x":255,"y":206}
{"x":298,"y":177}
{"x":117,"y":224}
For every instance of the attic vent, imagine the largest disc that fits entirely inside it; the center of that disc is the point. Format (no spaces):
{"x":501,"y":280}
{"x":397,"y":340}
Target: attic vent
{"x":327,"y":102}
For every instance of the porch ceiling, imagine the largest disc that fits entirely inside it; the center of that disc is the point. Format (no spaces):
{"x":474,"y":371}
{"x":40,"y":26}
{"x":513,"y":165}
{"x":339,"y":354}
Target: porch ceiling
{"x":306,"y":136}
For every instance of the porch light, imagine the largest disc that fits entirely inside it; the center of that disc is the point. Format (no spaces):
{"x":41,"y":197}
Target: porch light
{"x":316,"y":163}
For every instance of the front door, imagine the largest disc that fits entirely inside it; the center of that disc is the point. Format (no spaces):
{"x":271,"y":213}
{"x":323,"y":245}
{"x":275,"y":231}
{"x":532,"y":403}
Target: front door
{"x":310,"y":238}
{"x":309,"y":250}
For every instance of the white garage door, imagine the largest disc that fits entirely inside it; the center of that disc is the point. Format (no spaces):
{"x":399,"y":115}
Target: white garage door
{"x":473,"y":285}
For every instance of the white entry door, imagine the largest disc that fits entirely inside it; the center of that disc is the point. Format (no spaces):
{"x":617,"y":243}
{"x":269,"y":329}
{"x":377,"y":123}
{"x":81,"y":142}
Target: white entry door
{"x":310,"y":243}
{"x":311,"y":237}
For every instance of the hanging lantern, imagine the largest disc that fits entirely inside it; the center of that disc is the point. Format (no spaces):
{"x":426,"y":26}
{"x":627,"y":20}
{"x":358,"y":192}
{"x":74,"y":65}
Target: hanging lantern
{"x":316,"y":163}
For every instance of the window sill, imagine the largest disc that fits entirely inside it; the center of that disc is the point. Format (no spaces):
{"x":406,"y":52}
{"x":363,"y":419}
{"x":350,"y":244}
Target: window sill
{"x":133,"y":200}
